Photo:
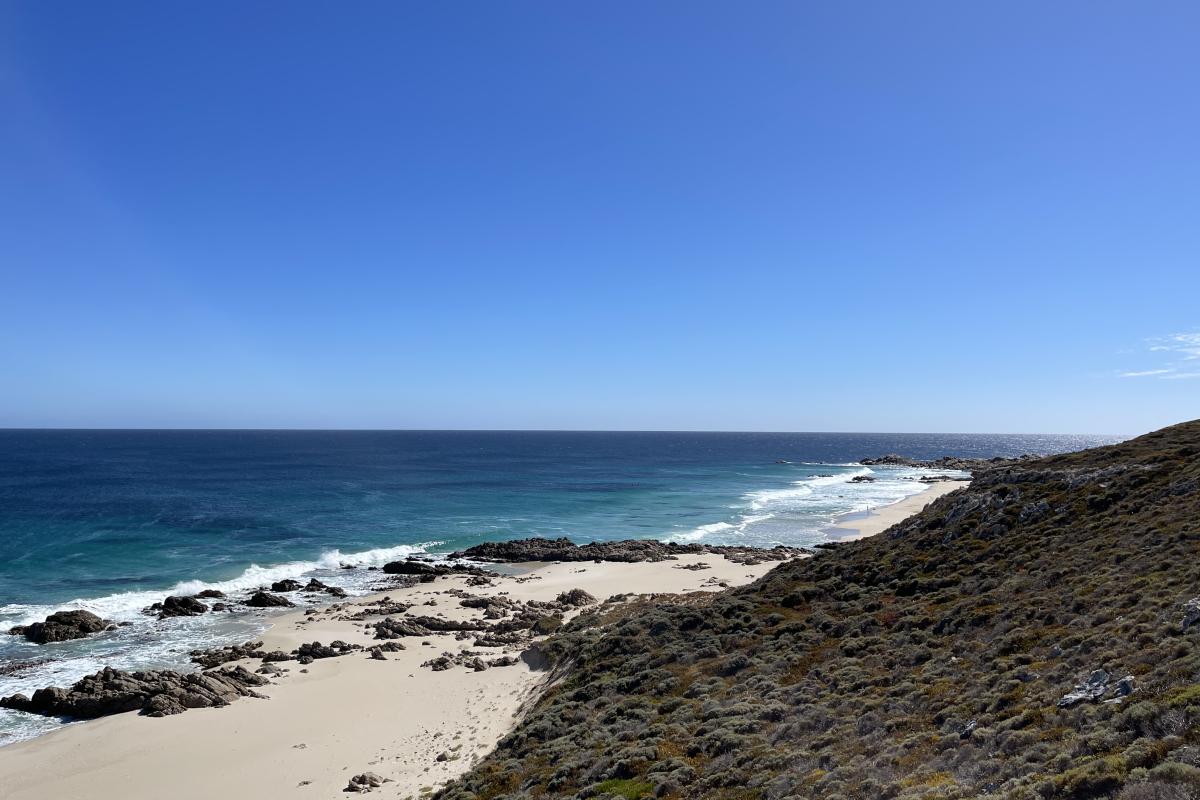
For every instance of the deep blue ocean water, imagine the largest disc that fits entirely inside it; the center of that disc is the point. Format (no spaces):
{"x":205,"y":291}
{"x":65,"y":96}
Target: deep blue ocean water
{"x":114,"y":520}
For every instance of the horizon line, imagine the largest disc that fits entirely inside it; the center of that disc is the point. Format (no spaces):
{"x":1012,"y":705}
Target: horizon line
{"x":114,"y":429}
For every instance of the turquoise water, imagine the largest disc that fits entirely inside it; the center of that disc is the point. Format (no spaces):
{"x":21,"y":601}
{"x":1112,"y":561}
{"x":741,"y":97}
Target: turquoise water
{"x":112,"y":521}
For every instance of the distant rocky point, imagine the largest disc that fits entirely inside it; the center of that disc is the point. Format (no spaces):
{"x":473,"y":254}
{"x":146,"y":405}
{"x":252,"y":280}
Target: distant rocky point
{"x":971,"y":465}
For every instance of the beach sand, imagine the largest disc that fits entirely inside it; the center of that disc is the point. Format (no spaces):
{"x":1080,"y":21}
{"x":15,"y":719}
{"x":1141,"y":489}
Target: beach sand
{"x":351,"y":714}
{"x":345,"y":716}
{"x":860,"y":526}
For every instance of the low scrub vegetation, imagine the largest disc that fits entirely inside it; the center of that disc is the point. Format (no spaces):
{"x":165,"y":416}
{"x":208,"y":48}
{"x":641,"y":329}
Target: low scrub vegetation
{"x":1028,"y":636}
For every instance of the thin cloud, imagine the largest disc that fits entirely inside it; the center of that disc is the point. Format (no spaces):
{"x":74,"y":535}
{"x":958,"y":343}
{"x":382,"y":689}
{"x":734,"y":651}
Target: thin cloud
{"x":1181,"y":349}
{"x":1187,"y":345}
{"x":1145,"y":373}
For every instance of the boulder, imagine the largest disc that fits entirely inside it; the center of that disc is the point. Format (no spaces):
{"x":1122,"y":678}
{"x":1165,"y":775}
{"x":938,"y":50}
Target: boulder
{"x":264,"y":600}
{"x":410,"y":567}
{"x":1093,"y":688}
{"x":1191,"y":612}
{"x":575,"y":598}
{"x":62,"y":626}
{"x":286,"y":585}
{"x":365,"y":782}
{"x":175,"y":606}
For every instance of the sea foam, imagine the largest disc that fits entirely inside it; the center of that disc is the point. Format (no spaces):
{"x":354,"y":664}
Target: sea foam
{"x":127,"y":606}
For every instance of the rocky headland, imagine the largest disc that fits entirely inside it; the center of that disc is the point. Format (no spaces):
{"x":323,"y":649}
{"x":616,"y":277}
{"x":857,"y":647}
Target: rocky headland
{"x":1033,"y":635}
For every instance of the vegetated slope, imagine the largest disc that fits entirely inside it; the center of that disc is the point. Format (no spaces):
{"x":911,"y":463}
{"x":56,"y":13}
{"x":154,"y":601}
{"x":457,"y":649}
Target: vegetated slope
{"x":926,"y":662}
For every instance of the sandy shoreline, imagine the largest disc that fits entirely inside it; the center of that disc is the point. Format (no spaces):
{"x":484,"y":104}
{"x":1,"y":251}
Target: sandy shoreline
{"x":345,"y":716}
{"x":862,"y":525}
{"x":352,"y":714}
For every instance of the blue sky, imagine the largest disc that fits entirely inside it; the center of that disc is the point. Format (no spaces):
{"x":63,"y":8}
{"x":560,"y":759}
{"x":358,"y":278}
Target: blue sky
{"x":929,"y":216}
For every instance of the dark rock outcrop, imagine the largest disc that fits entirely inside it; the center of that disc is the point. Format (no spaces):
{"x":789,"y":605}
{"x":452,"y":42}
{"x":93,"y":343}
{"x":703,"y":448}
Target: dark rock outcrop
{"x":627,"y":550}
{"x":177,"y":607}
{"x":215,"y":657}
{"x":62,"y":626}
{"x":427,"y":570}
{"x":314,"y":650}
{"x":266,"y":600}
{"x":286,"y":585}
{"x":575,"y":598}
{"x":154,"y":693}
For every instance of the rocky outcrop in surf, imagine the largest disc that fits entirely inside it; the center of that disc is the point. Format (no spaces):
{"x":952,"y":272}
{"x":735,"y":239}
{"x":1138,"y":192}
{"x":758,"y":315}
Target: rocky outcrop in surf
{"x":62,"y":626}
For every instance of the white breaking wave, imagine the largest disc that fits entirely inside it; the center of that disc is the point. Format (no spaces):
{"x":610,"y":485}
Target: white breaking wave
{"x":127,"y":606}
{"x":798,"y":513}
{"x":801,"y":488}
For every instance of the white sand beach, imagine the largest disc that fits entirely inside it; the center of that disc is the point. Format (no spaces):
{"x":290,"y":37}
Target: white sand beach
{"x":352,"y":714}
{"x":345,"y":716}
{"x":860,"y":526}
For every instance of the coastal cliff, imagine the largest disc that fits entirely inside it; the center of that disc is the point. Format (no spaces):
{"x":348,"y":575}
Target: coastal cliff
{"x":1031,"y":635}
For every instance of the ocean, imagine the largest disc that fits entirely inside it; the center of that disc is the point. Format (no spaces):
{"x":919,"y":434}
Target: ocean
{"x":111,"y":521}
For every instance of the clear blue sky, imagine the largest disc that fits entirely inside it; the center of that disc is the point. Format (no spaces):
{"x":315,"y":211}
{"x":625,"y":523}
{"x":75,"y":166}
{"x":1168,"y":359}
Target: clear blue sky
{"x":928,"y":216}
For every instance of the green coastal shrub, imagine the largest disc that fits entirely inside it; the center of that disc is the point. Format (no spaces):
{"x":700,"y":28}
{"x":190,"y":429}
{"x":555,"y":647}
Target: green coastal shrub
{"x":930,"y":661}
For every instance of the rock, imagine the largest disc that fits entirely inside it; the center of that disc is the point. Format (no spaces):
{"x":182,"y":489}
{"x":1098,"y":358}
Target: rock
{"x":177,"y":607}
{"x":264,"y":600}
{"x":365,"y":782}
{"x":575,"y":598}
{"x":409,"y":567}
{"x":1091,"y":689}
{"x":1191,"y":612}
{"x":377,"y":654}
{"x":504,"y":661}
{"x":335,"y":591}
{"x":62,"y":626}
{"x":314,"y":650}
{"x":427,"y":571}
{"x":286,"y":585}
{"x":315,"y":585}
{"x":862,"y":479}
{"x":439,"y":664}
{"x":211,"y":594}
{"x":390,"y":628}
{"x":154,"y":693}
{"x":236,"y":652}
{"x":628,"y":550}
{"x":443,"y":756}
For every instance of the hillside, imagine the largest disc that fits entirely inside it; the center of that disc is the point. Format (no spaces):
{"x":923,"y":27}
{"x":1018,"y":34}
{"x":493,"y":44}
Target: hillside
{"x":1029,"y":636}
